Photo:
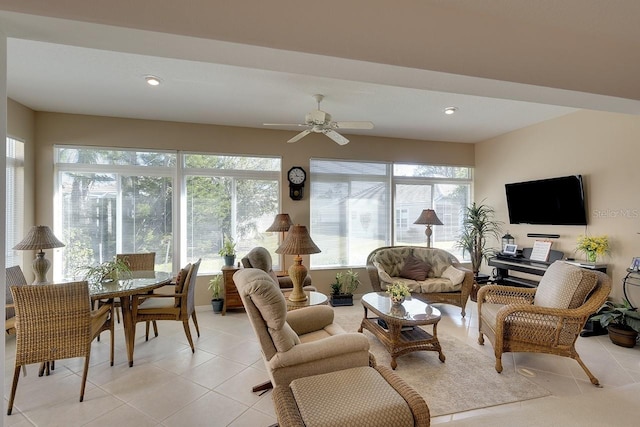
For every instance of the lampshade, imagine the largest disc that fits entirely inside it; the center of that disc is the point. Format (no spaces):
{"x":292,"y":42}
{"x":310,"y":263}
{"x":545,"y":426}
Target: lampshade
{"x":282,"y":222}
{"x":428,"y":216}
{"x":39,"y":237}
{"x":298,"y":242}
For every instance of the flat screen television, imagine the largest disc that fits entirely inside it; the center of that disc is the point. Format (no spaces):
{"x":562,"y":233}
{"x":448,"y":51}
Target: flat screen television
{"x":553,"y":201}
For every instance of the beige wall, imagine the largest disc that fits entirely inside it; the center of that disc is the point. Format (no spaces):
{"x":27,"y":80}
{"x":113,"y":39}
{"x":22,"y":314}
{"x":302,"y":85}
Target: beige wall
{"x":53,"y":128}
{"x":21,"y":125}
{"x":603,"y":147}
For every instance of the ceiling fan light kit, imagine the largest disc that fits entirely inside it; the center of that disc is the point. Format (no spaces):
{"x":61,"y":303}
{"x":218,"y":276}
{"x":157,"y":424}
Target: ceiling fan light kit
{"x":319,"y":121}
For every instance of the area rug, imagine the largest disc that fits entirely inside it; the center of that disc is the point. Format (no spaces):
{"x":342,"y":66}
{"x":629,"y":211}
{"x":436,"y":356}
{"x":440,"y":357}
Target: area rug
{"x":467,"y":380}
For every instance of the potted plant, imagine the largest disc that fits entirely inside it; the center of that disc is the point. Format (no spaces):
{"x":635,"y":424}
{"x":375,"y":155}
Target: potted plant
{"x":342,"y":290}
{"x":622,"y":321}
{"x":592,"y":246}
{"x":228,"y":250}
{"x":398,"y":291}
{"x":107,"y":271}
{"x":215,"y":286}
{"x":478,"y":225}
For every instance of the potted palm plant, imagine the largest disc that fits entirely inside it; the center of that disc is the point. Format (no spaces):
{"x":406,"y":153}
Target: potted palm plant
{"x":342,"y":290}
{"x":107,"y":271}
{"x":622,"y":321}
{"x":228,"y":250}
{"x":478,"y":225}
{"x":215,"y":286}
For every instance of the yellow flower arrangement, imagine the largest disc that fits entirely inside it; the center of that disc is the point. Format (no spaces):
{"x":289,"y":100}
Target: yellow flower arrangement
{"x":593,"y":246}
{"x":397,"y":291}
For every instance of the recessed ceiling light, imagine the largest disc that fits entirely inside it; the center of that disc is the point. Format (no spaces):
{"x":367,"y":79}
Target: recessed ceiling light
{"x":152,"y":80}
{"x":450,"y":110}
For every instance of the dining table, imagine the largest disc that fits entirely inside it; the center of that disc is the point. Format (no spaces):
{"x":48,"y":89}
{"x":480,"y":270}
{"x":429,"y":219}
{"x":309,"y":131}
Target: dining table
{"x":136,"y":283}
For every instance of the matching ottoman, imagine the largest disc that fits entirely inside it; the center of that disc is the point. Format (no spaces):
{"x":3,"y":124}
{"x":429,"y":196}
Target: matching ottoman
{"x":362,"y":396}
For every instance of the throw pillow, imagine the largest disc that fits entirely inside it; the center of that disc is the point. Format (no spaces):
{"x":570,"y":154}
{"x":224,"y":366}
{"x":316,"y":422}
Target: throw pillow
{"x":383,"y":275}
{"x":456,"y":276}
{"x":564,"y":286}
{"x":180,"y":280}
{"x":415,"y":269}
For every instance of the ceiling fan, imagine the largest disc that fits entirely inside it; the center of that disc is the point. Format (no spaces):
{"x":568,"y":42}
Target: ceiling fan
{"x":319,"y":121}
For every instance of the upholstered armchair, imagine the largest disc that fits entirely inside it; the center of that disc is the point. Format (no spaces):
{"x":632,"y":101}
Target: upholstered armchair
{"x":260,"y":258}
{"x":298,"y":343}
{"x":547,"y":319}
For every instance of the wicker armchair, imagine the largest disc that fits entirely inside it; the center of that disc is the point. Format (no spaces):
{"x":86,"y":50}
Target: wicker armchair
{"x":513,"y":322}
{"x":55,"y":322}
{"x":178,"y":306}
{"x":15,"y":277}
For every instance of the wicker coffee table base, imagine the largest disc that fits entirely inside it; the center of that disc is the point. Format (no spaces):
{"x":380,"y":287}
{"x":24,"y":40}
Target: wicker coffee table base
{"x":399,"y":342}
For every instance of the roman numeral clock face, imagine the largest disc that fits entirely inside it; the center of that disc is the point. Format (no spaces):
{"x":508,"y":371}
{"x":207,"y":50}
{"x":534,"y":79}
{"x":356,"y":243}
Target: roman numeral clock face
{"x":296,"y":176}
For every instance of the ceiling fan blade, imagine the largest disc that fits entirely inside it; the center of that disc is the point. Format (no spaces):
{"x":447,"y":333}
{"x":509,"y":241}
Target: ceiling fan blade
{"x":336,"y":137}
{"x":284,"y":124}
{"x":299,"y":136}
{"x":352,"y":125}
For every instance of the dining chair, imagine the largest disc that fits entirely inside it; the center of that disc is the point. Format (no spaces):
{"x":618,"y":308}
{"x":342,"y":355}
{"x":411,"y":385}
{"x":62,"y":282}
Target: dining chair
{"x":139,"y":261}
{"x":56,"y":322}
{"x":179,"y":306}
{"x":14,"y":277}
{"x":143,"y":261}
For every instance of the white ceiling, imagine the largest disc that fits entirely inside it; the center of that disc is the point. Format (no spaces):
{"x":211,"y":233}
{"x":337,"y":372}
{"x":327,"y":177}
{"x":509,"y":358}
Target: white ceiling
{"x":87,"y":68}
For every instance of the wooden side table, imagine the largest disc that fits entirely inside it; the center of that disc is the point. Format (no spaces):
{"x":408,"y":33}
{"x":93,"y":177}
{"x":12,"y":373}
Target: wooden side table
{"x":231,"y":295}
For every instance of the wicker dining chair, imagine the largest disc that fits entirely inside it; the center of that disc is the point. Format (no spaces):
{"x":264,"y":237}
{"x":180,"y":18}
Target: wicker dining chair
{"x":547,"y":319}
{"x":143,"y":261}
{"x":179,"y":306}
{"x":15,"y":277}
{"x":55,"y":322}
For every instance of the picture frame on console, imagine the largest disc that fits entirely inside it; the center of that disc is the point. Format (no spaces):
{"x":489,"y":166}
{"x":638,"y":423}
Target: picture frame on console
{"x":635,"y":264}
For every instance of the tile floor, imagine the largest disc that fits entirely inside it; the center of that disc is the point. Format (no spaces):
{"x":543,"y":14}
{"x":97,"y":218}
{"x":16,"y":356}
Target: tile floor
{"x":170,"y":386}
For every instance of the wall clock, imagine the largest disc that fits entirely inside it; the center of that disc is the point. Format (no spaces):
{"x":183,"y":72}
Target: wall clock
{"x":296,"y":176}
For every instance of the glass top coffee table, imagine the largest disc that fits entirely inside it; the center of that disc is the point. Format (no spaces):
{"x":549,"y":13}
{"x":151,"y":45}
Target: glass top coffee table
{"x":397,"y":327}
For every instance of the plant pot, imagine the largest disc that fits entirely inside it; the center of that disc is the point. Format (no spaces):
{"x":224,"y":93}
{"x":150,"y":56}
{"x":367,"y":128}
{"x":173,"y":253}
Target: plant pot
{"x":217,"y":305}
{"x":338,"y":300}
{"x":229,"y":260}
{"x":622,"y":335}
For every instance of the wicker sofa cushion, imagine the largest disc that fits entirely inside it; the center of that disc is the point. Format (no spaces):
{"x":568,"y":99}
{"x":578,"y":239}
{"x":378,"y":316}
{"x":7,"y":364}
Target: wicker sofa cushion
{"x":415,"y":269}
{"x":564,"y":286}
{"x":351,"y":397}
{"x":392,"y":259}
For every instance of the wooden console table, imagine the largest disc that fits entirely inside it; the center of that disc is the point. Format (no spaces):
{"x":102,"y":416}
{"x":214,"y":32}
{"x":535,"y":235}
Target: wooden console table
{"x":231,"y":295}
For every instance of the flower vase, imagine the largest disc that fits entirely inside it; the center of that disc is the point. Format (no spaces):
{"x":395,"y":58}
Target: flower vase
{"x":397,"y":300}
{"x":591,"y":256}
{"x":397,"y":309}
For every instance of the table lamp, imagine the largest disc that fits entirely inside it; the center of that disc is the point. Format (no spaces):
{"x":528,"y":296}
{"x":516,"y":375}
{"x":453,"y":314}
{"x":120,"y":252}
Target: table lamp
{"x":281,"y":223}
{"x":39,"y":237}
{"x":298,"y":242}
{"x":428,"y":217}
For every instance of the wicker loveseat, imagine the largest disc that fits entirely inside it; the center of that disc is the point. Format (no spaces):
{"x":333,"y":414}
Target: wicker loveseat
{"x":441,"y":285}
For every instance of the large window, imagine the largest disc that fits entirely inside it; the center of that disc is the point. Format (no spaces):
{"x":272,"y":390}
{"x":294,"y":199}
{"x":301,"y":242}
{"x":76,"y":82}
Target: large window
{"x":15,"y":202}
{"x":350,"y":210}
{"x":359,"y":206}
{"x":177,"y":205}
{"x":113,"y":201}
{"x":445,"y":189}
{"x":233,"y":196}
